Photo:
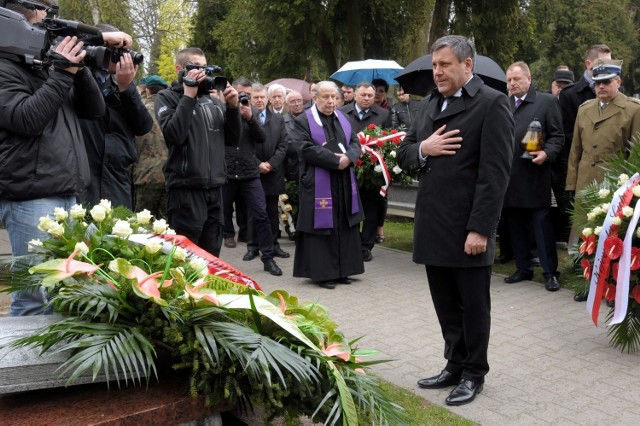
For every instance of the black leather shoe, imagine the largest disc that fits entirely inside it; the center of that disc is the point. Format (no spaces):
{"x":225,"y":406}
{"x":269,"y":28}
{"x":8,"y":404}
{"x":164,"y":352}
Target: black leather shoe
{"x":581,"y":297}
{"x":344,"y":280}
{"x":379,"y":239}
{"x":250,"y":255}
{"x":278,"y":252}
{"x":270,"y":265}
{"x":367,"y":256}
{"x":327,"y":284}
{"x":518,"y":276}
{"x":552,"y":284}
{"x":464,"y":393}
{"x":442,"y":380}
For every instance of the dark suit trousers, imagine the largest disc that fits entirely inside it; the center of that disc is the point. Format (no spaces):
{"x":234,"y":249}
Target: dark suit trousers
{"x":462,"y":302}
{"x":373,"y":206}
{"x":197,"y":214}
{"x":521,"y":223}
{"x":253,"y":195}
{"x":274,"y":221}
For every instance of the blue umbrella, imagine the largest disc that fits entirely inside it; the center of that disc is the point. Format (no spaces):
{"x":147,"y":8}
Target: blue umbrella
{"x":356,"y":72}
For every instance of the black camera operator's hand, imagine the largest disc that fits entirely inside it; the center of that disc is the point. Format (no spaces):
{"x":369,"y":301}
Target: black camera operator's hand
{"x":230,"y":96}
{"x":125,"y":72}
{"x":72,"y":50}
{"x":118,"y":39}
{"x":195,"y":74}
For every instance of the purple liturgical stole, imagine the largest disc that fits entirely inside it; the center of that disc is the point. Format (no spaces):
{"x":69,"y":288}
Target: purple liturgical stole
{"x":323,"y":206}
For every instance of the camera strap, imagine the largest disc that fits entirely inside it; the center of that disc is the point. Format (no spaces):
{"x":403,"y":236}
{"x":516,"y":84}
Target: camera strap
{"x":59,"y":61}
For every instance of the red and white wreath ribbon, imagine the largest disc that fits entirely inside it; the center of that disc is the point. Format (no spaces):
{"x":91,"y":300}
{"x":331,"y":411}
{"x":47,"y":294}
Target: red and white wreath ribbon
{"x":601,"y":264}
{"x":366,"y":147}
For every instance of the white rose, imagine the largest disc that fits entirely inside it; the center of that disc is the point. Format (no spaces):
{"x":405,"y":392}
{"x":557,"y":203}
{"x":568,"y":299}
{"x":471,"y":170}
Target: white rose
{"x":153,"y":246}
{"x":98,"y":213}
{"x":180,"y":254}
{"x":377,"y":168}
{"x":77,"y":212}
{"x":45,"y":223}
{"x":34,"y":244}
{"x":56,"y":229}
{"x":106,"y":204}
{"x":627,"y":211}
{"x":170,"y":231}
{"x":144,"y":217}
{"x":636,"y":190}
{"x":597,"y":230}
{"x":397,"y":170}
{"x":638,"y":232}
{"x":159,"y":226}
{"x":200,"y":266}
{"x":122,"y":228}
{"x":113,"y":266}
{"x":393,"y":154}
{"x":591,"y":216}
{"x":284,"y":197}
{"x":587,"y":232}
{"x":622,"y":179}
{"x":82,"y":248}
{"x":60,"y":214}
{"x":604,"y":193}
{"x":616,"y":221}
{"x":605,"y":207}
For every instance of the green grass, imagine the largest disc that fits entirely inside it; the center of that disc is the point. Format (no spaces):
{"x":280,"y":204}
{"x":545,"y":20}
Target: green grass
{"x":420,"y":411}
{"x":398,"y":233}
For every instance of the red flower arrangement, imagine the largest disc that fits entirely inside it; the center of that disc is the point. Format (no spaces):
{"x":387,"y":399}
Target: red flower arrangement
{"x":378,"y":167}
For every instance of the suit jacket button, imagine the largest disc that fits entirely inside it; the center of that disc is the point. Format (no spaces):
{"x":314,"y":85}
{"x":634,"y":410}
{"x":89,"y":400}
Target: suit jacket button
{"x":428,"y":169}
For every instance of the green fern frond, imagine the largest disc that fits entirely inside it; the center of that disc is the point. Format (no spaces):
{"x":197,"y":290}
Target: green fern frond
{"x":15,"y":276}
{"x":625,"y":336}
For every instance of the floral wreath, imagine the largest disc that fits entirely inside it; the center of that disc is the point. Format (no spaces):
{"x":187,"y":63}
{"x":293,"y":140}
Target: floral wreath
{"x":132,"y":292}
{"x":377,"y":166}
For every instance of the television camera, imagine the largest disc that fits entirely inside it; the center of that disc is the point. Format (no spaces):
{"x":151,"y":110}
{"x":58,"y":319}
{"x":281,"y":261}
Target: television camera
{"x":21,"y":41}
{"x":213,"y":81}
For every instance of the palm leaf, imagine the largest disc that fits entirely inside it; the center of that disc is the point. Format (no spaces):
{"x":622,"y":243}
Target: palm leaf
{"x":97,"y":345}
{"x":89,"y":300}
{"x":626,"y":335}
{"x":258,"y":355}
{"x":15,"y":276}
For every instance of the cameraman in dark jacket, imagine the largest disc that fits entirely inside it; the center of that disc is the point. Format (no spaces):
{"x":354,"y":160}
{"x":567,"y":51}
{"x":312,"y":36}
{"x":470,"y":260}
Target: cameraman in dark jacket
{"x":196,"y":128}
{"x":244,"y":179}
{"x":110,"y":141}
{"x":43,"y":163}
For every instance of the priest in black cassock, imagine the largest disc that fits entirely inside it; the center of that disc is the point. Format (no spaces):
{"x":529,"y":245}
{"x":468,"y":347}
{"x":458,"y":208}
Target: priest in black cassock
{"x":330,"y":211}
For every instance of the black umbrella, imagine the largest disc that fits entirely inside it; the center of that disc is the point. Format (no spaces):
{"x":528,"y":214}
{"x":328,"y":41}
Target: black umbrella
{"x":417,"y":77}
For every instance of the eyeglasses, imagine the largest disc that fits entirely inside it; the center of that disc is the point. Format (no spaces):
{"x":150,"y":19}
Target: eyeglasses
{"x":604,"y":82}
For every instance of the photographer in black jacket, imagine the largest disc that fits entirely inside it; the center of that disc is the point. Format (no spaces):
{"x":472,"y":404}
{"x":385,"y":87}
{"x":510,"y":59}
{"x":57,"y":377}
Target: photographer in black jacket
{"x":43,"y":163}
{"x":196,"y":128}
{"x":110,"y":141}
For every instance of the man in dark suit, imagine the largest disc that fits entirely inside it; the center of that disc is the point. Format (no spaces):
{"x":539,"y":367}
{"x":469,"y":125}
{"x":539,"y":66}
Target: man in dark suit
{"x":462,"y":143}
{"x":270,"y":162}
{"x":571,"y":97}
{"x":528,"y":199}
{"x":361,"y":114}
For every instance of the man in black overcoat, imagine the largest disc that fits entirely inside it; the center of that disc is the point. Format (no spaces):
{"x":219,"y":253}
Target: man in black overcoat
{"x":527,"y":202}
{"x":462,"y":143}
{"x":361,"y":113}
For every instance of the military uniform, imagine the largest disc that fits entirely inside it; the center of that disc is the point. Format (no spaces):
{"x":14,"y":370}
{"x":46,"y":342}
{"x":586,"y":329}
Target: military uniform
{"x":598,"y":136}
{"x":148,"y":178}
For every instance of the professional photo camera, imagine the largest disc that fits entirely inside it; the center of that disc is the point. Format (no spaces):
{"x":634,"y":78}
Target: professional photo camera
{"x":23,"y":42}
{"x":244,"y":98}
{"x":212,"y":81}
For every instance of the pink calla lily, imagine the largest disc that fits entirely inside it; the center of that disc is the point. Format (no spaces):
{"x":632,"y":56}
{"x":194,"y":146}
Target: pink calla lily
{"x":145,"y":285}
{"x":337,"y":350}
{"x":207,"y":294}
{"x":58,"y":269}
